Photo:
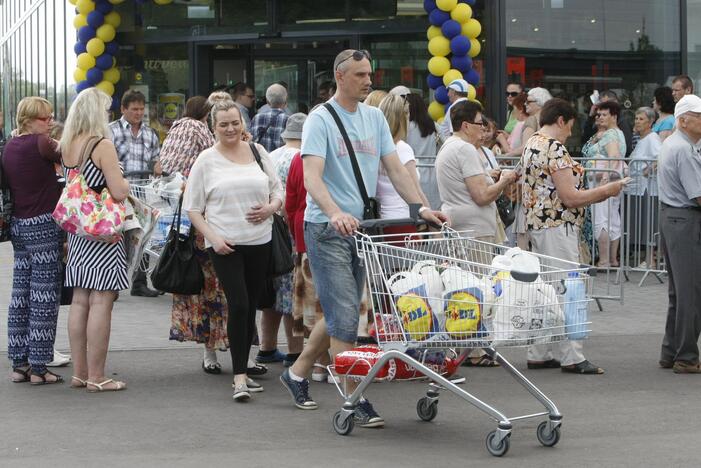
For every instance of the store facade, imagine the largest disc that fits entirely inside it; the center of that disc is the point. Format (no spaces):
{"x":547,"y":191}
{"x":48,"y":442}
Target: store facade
{"x":192,"y":46}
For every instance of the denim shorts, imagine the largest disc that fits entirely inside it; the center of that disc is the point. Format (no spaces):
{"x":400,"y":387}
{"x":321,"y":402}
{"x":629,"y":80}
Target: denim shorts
{"x":339,"y":278}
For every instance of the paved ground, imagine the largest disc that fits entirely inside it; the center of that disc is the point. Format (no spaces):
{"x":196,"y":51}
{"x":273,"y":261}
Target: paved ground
{"x":175,"y":415}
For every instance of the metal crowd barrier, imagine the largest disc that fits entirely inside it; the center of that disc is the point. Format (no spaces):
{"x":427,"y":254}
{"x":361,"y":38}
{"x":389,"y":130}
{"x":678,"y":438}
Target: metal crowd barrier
{"x":638,"y":205}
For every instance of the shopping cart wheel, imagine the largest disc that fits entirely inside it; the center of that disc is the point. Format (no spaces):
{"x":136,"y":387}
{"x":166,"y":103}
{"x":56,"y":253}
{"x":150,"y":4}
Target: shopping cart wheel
{"x":427,"y":408}
{"x":497,"y":449}
{"x":343,"y":423}
{"x":548,"y":439}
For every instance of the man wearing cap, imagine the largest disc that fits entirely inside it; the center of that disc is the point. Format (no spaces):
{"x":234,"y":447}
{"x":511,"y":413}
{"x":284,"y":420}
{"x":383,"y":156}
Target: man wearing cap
{"x":679,"y":180}
{"x":400,"y":90}
{"x":457,"y":91}
{"x":334,"y":208}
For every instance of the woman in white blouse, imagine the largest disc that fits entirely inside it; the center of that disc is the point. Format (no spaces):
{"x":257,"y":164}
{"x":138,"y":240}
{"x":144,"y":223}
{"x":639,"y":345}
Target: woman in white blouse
{"x":230,"y":198}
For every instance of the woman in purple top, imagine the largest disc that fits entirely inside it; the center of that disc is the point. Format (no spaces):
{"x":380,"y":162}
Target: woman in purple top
{"x":28,"y":170}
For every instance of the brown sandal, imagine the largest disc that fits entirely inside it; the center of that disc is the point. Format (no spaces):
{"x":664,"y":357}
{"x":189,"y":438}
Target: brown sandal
{"x":43,"y":380}
{"x":25,"y":373}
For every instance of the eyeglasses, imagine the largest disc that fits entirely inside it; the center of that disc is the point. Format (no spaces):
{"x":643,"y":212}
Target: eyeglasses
{"x":357,"y":55}
{"x":512,"y":93}
{"x":46,"y":119}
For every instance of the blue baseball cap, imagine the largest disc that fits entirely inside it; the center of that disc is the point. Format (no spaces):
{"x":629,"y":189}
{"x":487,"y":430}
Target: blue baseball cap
{"x":460,"y":86}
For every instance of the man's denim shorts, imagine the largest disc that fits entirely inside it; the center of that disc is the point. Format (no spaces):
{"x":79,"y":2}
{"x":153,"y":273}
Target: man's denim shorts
{"x":339,"y":278}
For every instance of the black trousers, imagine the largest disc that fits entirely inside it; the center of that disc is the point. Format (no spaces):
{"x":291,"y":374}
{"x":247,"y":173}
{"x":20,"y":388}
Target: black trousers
{"x":681,"y":242}
{"x":242,"y":276}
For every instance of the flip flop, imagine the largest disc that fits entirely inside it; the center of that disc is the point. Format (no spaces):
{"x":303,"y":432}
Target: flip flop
{"x":484,"y":361}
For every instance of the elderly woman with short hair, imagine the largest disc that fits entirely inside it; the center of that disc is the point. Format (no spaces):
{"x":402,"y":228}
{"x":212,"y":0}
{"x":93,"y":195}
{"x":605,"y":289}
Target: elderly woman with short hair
{"x":644,"y":181}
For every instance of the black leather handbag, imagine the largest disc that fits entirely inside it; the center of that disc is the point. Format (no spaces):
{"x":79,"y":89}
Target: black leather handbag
{"x":178,"y":270}
{"x":281,"y":259}
{"x":505,"y":208}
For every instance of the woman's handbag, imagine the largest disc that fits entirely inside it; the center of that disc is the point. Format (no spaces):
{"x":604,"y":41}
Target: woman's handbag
{"x":505,"y":208}
{"x":281,"y":260}
{"x":84,"y":212}
{"x":178,"y":270}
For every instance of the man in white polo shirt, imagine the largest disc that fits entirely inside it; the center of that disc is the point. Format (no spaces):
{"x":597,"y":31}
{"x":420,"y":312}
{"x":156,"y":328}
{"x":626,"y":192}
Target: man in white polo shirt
{"x":457,"y":91}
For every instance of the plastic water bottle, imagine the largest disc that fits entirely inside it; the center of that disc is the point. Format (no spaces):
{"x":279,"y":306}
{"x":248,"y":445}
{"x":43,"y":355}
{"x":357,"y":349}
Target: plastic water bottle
{"x":576,"y":307}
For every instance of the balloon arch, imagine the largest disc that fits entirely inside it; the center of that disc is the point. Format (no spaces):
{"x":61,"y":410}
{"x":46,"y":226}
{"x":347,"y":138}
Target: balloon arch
{"x":96,"y":23}
{"x":452,"y":42}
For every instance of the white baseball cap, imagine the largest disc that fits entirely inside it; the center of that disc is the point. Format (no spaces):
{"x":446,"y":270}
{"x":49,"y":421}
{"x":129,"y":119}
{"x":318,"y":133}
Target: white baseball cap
{"x":688,"y":103}
{"x":460,"y":86}
{"x":400,"y":90}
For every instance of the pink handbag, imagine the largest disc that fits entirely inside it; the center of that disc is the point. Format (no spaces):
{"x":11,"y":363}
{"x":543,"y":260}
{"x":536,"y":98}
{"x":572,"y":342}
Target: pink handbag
{"x":84,"y":212}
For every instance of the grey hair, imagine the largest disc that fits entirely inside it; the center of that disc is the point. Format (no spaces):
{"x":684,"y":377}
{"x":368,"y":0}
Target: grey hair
{"x":540,"y":95}
{"x":276,"y":95}
{"x":649,"y":113}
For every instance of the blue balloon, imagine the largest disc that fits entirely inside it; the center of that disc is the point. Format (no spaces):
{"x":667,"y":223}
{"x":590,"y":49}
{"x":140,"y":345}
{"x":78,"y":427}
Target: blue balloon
{"x":434,"y":82}
{"x":115,"y":103}
{"x":429,"y":5}
{"x":460,"y":45}
{"x":112,"y":48}
{"x":94,"y":76}
{"x":104,"y":62}
{"x":79,"y":48}
{"x":95,"y":19}
{"x":469,"y":2}
{"x":103,"y":6}
{"x":83,"y":85}
{"x":441,"y":95}
{"x":437,"y":17}
{"x":472,"y":77}
{"x":463,"y":63}
{"x":86,"y":33}
{"x":451,"y":28}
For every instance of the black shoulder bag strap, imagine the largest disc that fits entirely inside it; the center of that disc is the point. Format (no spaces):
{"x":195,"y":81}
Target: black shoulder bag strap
{"x":256,"y":155}
{"x":369,"y":212}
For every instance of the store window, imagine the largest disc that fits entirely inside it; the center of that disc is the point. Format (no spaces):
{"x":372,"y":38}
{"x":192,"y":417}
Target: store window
{"x":693,"y":10}
{"x":573,"y":47}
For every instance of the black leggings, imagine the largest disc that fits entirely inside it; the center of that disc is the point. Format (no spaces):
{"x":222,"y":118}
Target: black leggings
{"x":242,"y":276}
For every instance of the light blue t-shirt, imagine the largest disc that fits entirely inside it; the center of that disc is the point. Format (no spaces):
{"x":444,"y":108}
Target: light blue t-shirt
{"x":665,"y":124}
{"x":371,"y":139}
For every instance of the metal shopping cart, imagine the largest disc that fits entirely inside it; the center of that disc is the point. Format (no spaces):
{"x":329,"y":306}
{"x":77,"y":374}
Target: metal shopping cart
{"x":498,"y":307}
{"x":163,"y":197}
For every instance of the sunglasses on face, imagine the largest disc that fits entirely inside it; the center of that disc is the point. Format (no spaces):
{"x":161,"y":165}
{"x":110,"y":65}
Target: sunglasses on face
{"x":512,"y":93}
{"x":357,"y":55}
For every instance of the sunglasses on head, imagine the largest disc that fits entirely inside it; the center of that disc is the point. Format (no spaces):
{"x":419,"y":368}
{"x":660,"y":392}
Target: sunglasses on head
{"x":357,"y":55}
{"x":512,"y":93}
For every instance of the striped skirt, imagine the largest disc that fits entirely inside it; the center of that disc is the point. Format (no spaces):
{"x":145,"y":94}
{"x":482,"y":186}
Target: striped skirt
{"x":96,"y":265}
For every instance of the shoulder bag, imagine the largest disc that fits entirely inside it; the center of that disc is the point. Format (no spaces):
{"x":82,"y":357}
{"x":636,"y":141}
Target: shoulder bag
{"x":178,"y":270}
{"x":505,"y":208}
{"x":281,"y":259}
{"x":371,"y":206}
{"x":84,"y":212}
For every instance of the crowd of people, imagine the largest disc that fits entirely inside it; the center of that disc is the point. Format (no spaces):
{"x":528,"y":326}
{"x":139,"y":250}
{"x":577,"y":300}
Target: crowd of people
{"x":241,"y":170}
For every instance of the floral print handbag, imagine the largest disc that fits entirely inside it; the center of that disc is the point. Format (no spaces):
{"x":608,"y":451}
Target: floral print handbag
{"x":84,"y":212}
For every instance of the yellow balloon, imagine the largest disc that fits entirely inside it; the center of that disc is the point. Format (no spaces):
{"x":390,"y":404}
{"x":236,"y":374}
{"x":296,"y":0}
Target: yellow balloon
{"x":446,"y":5}
{"x":85,"y":6}
{"x":461,"y":13}
{"x":471,"y":92}
{"x":162,"y":2}
{"x":438,"y":65}
{"x":106,"y":32}
{"x":439,"y":46}
{"x":114,"y":62}
{"x":436,"y":110}
{"x":95,"y":47}
{"x":72,"y":2}
{"x":472,"y":28}
{"x":79,"y":75}
{"x":475,"y":48}
{"x":112,"y":75}
{"x":433,"y":31}
{"x":113,"y":19}
{"x":79,"y":21}
{"x":106,"y":86}
{"x":451,"y":75}
{"x":85,"y":61}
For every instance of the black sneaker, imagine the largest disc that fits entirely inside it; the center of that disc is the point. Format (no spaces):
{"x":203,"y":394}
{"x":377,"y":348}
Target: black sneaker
{"x":299,"y":391}
{"x":366,"y":416}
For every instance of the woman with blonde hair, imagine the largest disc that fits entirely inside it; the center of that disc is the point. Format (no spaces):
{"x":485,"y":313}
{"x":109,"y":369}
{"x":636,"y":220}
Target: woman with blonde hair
{"x":28,"y":170}
{"x":373,"y":99}
{"x":396,"y":111}
{"x":95,"y":270}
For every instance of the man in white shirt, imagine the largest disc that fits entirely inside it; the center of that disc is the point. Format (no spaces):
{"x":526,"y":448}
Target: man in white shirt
{"x":457,"y":91}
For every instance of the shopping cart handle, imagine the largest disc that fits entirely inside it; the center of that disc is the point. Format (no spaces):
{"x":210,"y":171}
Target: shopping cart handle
{"x":377,"y":224}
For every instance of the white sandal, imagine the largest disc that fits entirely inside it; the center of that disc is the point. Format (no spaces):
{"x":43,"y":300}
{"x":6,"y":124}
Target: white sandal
{"x":80,"y":382}
{"x":99,"y":387}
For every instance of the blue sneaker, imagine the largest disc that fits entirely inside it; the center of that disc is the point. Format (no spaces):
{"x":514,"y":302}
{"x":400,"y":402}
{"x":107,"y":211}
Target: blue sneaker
{"x":299,"y":391}
{"x":366,"y":416}
{"x":277,"y":356}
